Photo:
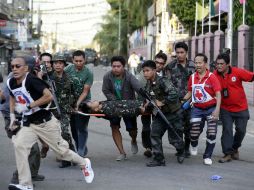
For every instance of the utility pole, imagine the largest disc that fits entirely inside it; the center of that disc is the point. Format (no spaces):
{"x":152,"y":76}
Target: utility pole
{"x":128,"y":27}
{"x":55,"y":48}
{"x":119,"y":29}
{"x":230,"y":27}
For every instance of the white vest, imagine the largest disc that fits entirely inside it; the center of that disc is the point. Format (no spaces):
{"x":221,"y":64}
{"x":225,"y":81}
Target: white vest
{"x":22,"y":96}
{"x":199,"y":94}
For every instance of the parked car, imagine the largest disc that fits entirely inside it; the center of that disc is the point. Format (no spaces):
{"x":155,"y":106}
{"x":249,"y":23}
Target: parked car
{"x":91,"y":56}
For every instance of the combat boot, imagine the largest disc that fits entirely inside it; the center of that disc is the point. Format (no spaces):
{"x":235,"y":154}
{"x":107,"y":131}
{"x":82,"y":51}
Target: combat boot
{"x":226,"y":158}
{"x":65,"y":164}
{"x":15,"y":178}
{"x":155,"y":163}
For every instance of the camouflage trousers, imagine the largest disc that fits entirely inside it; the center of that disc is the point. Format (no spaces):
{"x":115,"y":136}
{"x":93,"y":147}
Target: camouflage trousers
{"x":159,"y":127}
{"x":65,"y":130}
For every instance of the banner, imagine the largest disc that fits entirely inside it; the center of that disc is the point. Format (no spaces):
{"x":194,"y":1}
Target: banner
{"x":224,"y":5}
{"x":242,"y":1}
{"x":200,"y":12}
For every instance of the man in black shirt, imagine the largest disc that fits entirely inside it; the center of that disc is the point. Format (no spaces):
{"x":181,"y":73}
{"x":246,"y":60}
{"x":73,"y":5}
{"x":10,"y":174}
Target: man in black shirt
{"x":29,"y":95}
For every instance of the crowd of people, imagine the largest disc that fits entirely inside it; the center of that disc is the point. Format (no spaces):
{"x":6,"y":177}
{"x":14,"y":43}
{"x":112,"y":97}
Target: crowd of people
{"x":41,"y":106}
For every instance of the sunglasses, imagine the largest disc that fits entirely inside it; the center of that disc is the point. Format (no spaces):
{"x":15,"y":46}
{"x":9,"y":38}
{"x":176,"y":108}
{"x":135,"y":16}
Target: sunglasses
{"x":16,"y":66}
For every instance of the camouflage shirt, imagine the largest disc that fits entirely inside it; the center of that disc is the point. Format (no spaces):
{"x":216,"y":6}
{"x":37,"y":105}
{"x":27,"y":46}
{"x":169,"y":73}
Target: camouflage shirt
{"x":64,"y":92}
{"x":163,"y":90}
{"x":179,"y":75}
{"x":120,"y":108}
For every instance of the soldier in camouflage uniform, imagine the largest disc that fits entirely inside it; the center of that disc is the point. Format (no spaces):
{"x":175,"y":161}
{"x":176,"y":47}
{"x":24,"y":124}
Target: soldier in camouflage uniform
{"x":113,"y":108}
{"x":65,"y":101}
{"x":179,"y":71}
{"x":166,"y":97}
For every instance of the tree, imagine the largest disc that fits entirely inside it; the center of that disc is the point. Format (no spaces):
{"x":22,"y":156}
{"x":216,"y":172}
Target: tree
{"x":185,"y":11}
{"x":133,"y":16}
{"x":238,"y":14}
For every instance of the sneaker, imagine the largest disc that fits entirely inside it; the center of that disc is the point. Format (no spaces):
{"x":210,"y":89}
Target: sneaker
{"x":226,"y":158}
{"x":235,"y":155}
{"x":88,"y":171}
{"x":121,"y":157}
{"x":148,"y":153}
{"x":38,"y":177}
{"x":19,"y":187}
{"x":194,"y":151}
{"x":155,"y":163}
{"x":134,"y":148}
{"x":208,"y":161}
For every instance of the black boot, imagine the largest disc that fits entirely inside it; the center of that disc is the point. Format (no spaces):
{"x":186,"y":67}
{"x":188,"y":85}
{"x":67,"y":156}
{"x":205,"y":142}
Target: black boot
{"x":155,"y":163}
{"x":180,"y":156}
{"x":38,"y":177}
{"x":187,"y":148}
{"x":65,"y":164}
{"x":15,"y":178}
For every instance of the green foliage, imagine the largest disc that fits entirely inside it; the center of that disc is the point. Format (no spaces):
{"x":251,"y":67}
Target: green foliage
{"x":185,"y":11}
{"x":133,"y":16}
{"x":238,"y":14}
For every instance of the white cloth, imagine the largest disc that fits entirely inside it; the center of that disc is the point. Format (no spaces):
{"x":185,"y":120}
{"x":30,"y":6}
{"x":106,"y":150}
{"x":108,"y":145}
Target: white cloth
{"x":199,"y":94}
{"x":21,"y":108}
{"x":133,"y":60}
{"x":23,"y":97}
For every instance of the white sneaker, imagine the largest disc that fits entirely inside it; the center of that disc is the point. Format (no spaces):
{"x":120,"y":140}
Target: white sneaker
{"x":19,"y":187}
{"x":121,"y":157}
{"x":134,"y":148}
{"x":88,"y":171}
{"x":208,"y":161}
{"x":194,"y":151}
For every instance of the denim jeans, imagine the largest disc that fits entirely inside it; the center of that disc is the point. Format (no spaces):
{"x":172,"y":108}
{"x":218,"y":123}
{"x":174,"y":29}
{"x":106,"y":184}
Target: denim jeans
{"x":79,"y":128}
{"x":198,"y":118}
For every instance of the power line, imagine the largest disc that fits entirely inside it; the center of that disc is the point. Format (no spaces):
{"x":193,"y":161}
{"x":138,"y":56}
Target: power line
{"x":74,"y":7}
{"x":74,"y":21}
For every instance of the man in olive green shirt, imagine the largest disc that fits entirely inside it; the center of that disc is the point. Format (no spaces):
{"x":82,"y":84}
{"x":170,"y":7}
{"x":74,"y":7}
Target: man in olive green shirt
{"x":82,"y":79}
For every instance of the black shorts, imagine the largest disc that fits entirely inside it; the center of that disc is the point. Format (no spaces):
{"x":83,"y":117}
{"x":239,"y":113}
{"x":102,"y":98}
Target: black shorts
{"x":130,"y":122}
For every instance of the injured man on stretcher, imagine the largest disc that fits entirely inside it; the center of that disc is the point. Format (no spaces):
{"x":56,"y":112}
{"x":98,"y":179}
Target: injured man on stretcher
{"x":113,"y":108}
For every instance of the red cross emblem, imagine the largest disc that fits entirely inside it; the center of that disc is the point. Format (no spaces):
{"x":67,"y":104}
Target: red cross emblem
{"x":198,"y":94}
{"x":21,"y":100}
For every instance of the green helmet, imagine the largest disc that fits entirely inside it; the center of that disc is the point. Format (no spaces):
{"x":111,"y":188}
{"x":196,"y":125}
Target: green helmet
{"x":59,"y":58}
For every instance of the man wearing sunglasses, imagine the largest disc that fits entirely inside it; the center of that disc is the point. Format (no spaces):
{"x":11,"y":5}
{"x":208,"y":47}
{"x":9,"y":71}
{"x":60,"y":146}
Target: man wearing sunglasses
{"x":34,"y":156}
{"x":29,"y":96}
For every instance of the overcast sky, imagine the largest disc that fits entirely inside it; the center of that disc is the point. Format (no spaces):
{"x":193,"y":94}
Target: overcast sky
{"x":77,"y":19}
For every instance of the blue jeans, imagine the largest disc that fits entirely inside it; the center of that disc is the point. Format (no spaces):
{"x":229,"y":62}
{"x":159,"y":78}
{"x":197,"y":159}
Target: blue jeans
{"x":198,"y":118}
{"x":79,"y":128}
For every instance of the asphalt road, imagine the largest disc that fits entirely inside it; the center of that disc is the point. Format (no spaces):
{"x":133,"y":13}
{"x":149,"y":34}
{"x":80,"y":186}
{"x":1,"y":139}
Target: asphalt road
{"x":132,"y":174}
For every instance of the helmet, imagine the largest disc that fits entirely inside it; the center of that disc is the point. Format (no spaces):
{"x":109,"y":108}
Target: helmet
{"x":59,"y":58}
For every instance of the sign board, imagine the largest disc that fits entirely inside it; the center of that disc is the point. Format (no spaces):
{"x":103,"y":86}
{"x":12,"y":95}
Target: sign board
{"x":22,"y":31}
{"x":2,"y":23}
{"x":9,"y":28}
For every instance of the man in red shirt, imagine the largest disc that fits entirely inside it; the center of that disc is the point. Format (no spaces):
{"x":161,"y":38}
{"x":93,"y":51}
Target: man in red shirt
{"x":234,"y":106}
{"x":204,"y":88}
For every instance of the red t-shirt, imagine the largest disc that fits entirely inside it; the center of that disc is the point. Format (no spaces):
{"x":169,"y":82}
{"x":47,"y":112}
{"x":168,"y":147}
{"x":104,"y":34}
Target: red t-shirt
{"x":236,"y":101}
{"x":212,"y":86}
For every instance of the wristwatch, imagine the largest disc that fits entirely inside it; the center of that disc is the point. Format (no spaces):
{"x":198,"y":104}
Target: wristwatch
{"x":28,"y":106}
